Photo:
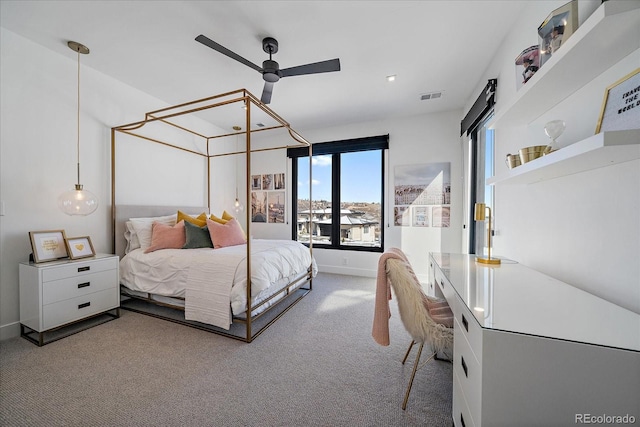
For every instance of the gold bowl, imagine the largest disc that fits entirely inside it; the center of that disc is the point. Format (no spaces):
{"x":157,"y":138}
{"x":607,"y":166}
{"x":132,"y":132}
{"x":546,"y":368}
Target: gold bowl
{"x":513,"y":160}
{"x":529,"y":153}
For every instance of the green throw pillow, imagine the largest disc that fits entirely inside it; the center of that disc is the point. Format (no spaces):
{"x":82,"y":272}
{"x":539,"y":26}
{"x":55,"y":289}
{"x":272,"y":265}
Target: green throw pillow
{"x":197,"y":237}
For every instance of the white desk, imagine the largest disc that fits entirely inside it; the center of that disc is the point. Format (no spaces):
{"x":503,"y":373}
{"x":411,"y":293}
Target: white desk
{"x":532,"y":350}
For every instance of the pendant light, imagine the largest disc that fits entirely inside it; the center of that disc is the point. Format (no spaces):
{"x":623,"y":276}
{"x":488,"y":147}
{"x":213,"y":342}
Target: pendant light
{"x":78,"y":201}
{"x":237,"y":206}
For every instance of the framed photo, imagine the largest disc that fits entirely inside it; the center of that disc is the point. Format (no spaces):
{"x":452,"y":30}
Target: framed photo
{"x":621,"y":104}
{"x":48,"y":245}
{"x":556,"y":29}
{"x":79,"y":247}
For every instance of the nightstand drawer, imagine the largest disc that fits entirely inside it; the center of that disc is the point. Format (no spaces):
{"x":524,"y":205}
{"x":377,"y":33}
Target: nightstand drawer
{"x":79,"y":268}
{"x":63,"y":312}
{"x":60,"y":290}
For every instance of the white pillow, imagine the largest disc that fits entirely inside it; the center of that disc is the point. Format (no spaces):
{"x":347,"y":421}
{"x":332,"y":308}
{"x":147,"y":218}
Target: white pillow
{"x":131,"y":237}
{"x":142,"y":228}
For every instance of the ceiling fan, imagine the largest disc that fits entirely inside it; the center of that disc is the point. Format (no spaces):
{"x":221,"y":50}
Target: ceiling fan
{"x":270,"y":69}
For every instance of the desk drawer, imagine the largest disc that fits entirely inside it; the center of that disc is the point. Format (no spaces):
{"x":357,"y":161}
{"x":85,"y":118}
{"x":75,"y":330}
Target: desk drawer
{"x":79,"y":268}
{"x":460,"y":412}
{"x":468,"y":370}
{"x":63,"y":312}
{"x":470,"y":329}
{"x":59,"y":290}
{"x":444,"y":285}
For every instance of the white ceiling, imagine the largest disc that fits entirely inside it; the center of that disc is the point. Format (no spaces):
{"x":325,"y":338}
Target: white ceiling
{"x":430,"y":46}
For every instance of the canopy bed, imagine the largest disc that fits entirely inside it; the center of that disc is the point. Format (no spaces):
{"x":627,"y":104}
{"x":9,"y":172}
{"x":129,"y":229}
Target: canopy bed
{"x":184,"y":263}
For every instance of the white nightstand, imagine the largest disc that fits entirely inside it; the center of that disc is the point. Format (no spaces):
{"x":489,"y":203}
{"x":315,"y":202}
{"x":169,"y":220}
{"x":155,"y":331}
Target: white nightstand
{"x":55,"y":295}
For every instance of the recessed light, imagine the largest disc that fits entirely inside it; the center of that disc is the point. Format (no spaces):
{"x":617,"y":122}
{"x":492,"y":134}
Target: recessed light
{"x":391,"y":78}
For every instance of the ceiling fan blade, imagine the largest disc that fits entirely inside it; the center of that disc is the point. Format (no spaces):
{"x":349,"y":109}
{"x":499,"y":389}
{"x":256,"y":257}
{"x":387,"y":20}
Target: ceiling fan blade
{"x":266,"y":93}
{"x":316,"y":67}
{"x":223,"y":50}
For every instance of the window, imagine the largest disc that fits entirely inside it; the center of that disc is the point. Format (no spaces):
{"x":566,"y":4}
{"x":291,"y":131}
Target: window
{"x":482,"y":154}
{"x":345,"y":210}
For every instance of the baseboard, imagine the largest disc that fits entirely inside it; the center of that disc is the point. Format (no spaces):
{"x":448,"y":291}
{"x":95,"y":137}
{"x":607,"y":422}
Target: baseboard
{"x":10,"y":330}
{"x":349,"y":271}
{"x":361,"y":272}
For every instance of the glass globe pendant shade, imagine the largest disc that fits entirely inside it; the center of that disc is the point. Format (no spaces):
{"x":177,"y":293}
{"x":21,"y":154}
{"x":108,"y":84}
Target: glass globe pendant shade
{"x":237,"y":206}
{"x":78,"y":201}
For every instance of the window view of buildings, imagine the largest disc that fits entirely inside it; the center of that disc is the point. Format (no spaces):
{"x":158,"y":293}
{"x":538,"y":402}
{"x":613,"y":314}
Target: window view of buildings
{"x":359,"y":223}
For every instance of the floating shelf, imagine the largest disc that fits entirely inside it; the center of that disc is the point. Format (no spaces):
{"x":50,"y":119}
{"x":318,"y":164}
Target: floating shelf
{"x":597,"y":151}
{"x":610,"y":34}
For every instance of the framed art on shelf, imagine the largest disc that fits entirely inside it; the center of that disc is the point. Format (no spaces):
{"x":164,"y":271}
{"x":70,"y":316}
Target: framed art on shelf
{"x":48,"y":245}
{"x":556,"y":29}
{"x":79,"y":247}
{"x":621,"y":104}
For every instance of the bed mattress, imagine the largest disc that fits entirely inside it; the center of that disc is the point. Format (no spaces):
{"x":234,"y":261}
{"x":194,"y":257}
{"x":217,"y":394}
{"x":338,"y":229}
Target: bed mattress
{"x":172,"y":272}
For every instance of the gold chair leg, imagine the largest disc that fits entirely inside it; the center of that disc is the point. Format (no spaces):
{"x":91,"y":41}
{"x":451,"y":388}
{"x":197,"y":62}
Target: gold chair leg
{"x":408,"y":351}
{"x":413,"y":374}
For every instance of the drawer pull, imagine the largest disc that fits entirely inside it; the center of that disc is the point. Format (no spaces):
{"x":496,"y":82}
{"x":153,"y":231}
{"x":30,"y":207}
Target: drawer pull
{"x":81,"y":269}
{"x":462,"y":420}
{"x":86,"y":304}
{"x":465,"y":323}
{"x":84,"y":285}
{"x":464,"y":367}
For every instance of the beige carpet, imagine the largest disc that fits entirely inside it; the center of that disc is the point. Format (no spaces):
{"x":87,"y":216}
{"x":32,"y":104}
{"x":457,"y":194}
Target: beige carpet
{"x":316,"y":366}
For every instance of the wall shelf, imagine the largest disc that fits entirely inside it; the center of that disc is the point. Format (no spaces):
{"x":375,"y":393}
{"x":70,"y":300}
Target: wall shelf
{"x":597,"y":151}
{"x":610,"y":34}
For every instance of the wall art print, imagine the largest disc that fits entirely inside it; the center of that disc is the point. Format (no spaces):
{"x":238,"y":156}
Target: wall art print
{"x":422,"y":195}
{"x":268,"y":198}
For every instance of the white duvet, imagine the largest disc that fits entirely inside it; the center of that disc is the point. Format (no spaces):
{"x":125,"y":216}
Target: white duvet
{"x":211,"y":280}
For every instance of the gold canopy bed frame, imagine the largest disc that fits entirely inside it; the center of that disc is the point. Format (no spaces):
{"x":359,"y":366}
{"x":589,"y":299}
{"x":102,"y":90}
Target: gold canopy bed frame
{"x":239,"y":103}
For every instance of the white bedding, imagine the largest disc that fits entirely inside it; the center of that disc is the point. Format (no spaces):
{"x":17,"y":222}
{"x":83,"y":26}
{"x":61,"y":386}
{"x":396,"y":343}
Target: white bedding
{"x":184,"y":272}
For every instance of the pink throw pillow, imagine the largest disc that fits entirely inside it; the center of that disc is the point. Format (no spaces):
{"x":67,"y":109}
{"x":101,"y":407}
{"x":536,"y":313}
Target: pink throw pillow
{"x":166,"y":236}
{"x":229,"y":234}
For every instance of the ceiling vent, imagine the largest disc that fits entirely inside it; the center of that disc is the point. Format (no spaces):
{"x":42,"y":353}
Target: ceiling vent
{"x":432,"y":95}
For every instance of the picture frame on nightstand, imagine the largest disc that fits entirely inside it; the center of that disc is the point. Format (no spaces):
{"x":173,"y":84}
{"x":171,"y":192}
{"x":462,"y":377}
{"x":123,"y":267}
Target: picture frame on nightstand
{"x":79,"y":247}
{"x":48,"y":245}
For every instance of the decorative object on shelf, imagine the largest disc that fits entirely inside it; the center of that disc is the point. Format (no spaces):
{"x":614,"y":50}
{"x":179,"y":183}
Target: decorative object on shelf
{"x":553,"y":130}
{"x":527,"y":63}
{"x":79,"y":247}
{"x":530,"y":153}
{"x":78,"y":201}
{"x":48,"y":245}
{"x":481,"y":215}
{"x":621,"y":105}
{"x":513,"y":160}
{"x":556,"y":29}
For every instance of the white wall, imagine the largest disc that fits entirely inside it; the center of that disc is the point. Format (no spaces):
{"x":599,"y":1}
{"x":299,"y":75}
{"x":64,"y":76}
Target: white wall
{"x":583,"y":229}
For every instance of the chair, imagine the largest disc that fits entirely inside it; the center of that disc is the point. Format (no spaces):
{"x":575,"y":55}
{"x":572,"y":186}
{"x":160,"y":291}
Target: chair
{"x":427,"y":319}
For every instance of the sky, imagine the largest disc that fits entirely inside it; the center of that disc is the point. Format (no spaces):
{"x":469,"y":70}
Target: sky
{"x":361,"y":177}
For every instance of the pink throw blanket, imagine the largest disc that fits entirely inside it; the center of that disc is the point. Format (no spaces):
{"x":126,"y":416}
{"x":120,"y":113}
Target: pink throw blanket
{"x":382,"y":312}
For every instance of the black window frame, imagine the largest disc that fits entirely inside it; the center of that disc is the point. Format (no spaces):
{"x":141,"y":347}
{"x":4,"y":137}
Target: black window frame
{"x":335,"y":149}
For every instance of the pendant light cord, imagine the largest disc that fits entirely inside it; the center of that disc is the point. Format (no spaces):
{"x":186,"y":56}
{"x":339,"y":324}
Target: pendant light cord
{"x":78,"y":120}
